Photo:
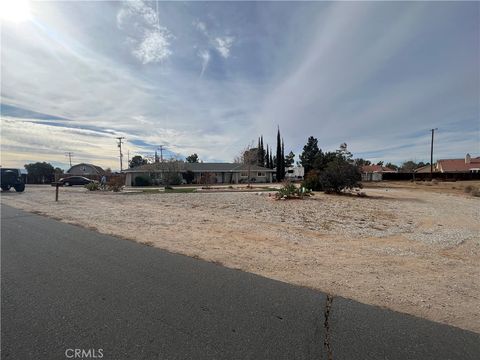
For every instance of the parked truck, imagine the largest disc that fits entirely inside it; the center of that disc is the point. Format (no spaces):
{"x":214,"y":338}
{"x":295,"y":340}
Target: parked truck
{"x":11,"y":178}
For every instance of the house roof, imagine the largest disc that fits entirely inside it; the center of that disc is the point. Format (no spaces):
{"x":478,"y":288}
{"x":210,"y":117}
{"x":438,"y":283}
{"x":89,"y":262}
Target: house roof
{"x":458,"y":165}
{"x":196,"y":167}
{"x":425,"y":169}
{"x":97,"y":168}
{"x":375,"y":169}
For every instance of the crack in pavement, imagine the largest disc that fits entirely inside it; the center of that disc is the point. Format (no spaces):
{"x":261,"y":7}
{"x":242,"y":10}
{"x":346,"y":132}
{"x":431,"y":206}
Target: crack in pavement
{"x":326,"y":325}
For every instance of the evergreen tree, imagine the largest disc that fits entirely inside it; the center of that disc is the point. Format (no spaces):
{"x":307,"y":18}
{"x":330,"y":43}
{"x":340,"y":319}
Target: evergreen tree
{"x":289,"y":159}
{"x":272,"y":163}
{"x":310,"y":152}
{"x":283,"y":160}
{"x":278,"y":159}
{"x":260,"y":152}
{"x":267,"y":159}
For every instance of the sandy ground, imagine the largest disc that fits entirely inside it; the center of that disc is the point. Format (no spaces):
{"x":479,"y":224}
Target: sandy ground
{"x":414,"y":249}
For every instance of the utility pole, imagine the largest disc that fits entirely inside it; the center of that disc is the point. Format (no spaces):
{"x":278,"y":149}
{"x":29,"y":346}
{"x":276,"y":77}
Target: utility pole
{"x":119,"y":144}
{"x":69,"y":154}
{"x":160,"y":147}
{"x":431,"y":154}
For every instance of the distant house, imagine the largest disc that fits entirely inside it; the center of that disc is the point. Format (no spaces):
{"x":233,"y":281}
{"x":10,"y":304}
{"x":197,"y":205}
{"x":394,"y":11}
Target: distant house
{"x":200,"y":173}
{"x":466,"y":165}
{"x":374,"y":172}
{"x":87,"y":170}
{"x":453,"y":166}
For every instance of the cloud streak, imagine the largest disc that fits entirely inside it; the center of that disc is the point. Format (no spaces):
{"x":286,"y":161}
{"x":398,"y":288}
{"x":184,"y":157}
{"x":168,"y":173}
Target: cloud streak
{"x":210,"y":78}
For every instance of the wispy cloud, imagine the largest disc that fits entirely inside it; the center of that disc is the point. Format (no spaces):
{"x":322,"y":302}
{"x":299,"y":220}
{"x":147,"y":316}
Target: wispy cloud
{"x":223,"y":45}
{"x":205,"y":56}
{"x":149,"y":40}
{"x":374,"y":75}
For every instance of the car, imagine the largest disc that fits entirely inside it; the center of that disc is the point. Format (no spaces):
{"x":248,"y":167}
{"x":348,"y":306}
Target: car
{"x":74,"y":180}
{"x":11,"y":178}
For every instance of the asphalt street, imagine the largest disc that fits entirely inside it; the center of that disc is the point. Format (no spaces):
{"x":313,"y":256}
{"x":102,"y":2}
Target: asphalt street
{"x":64,"y":287}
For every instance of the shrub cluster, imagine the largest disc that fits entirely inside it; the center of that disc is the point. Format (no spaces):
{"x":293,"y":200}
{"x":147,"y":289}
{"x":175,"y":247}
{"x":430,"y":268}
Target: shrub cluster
{"x":143,"y":180}
{"x":290,"y":191}
{"x":93,"y":186}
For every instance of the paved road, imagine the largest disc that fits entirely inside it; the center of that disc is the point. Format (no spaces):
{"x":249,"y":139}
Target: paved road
{"x":65,"y":287}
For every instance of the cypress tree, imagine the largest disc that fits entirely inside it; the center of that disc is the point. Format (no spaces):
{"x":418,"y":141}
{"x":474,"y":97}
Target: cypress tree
{"x":279,"y":157}
{"x":267,"y":159}
{"x":283,"y":159}
{"x":262,"y":152}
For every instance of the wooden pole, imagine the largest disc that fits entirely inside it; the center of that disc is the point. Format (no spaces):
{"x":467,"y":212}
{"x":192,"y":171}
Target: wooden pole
{"x":56,"y":191}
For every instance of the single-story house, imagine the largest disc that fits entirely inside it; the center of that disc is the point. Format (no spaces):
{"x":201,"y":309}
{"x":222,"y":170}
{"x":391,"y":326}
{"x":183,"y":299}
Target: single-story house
{"x":200,"y":173}
{"x":453,"y":166}
{"x":374,"y":172}
{"x":87,"y":170}
{"x":466,"y":165}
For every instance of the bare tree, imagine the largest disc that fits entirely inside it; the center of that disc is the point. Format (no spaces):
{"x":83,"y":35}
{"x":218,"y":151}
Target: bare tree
{"x":248,"y":157}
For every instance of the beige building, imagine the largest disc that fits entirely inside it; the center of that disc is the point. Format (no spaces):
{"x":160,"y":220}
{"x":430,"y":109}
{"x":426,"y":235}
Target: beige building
{"x":200,"y":173}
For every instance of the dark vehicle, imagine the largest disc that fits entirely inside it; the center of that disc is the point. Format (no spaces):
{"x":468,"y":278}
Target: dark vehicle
{"x":74,"y":180}
{"x":12,"y":178}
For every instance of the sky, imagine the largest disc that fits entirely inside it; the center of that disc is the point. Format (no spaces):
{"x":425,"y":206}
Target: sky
{"x":211,"y":77}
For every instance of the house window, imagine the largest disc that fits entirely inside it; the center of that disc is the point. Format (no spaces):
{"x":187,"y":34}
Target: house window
{"x":260,"y":174}
{"x":290,"y":171}
{"x":244,"y":174}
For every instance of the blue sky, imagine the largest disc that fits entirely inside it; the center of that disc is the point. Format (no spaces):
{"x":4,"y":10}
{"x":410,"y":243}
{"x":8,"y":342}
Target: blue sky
{"x":210,"y":77}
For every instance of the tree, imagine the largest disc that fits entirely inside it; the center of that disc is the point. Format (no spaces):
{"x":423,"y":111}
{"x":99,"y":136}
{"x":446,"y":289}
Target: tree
{"x":137,"y":160}
{"x":408,"y":166}
{"x":322,"y":159}
{"x":310,"y":152}
{"x":189,"y":176}
{"x":344,"y":153}
{"x":391,"y":166}
{"x":339,"y":175}
{"x":248,"y":157}
{"x":260,"y":152}
{"x":267,"y":159}
{"x":192,"y":158}
{"x":279,"y":159}
{"x":362,"y":162}
{"x":58,"y":173}
{"x":380,"y":163}
{"x":40,"y":173}
{"x":289,"y":159}
{"x":172,"y":174}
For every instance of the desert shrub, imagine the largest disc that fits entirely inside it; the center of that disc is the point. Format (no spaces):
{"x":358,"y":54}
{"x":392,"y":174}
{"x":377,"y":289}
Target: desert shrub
{"x":115,"y":184}
{"x":290,"y":191}
{"x":340,"y":175}
{"x":468,"y":189}
{"x":312,"y":181}
{"x":172,"y":178}
{"x":93,"y":186}
{"x":143,"y":180}
{"x":168,"y":187}
{"x":189,"y":176}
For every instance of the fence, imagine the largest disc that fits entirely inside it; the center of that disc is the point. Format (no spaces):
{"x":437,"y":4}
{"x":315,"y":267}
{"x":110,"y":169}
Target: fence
{"x":426,"y":176}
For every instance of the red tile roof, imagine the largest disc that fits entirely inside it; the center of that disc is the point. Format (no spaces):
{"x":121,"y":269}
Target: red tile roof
{"x":375,"y":169}
{"x":458,"y":165}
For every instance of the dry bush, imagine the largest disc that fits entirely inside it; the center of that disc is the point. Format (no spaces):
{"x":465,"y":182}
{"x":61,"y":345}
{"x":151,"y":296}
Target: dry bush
{"x":468,"y":189}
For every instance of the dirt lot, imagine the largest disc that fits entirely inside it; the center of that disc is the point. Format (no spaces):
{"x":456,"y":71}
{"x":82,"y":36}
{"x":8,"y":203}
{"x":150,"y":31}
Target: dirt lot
{"x":411,"y":248}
